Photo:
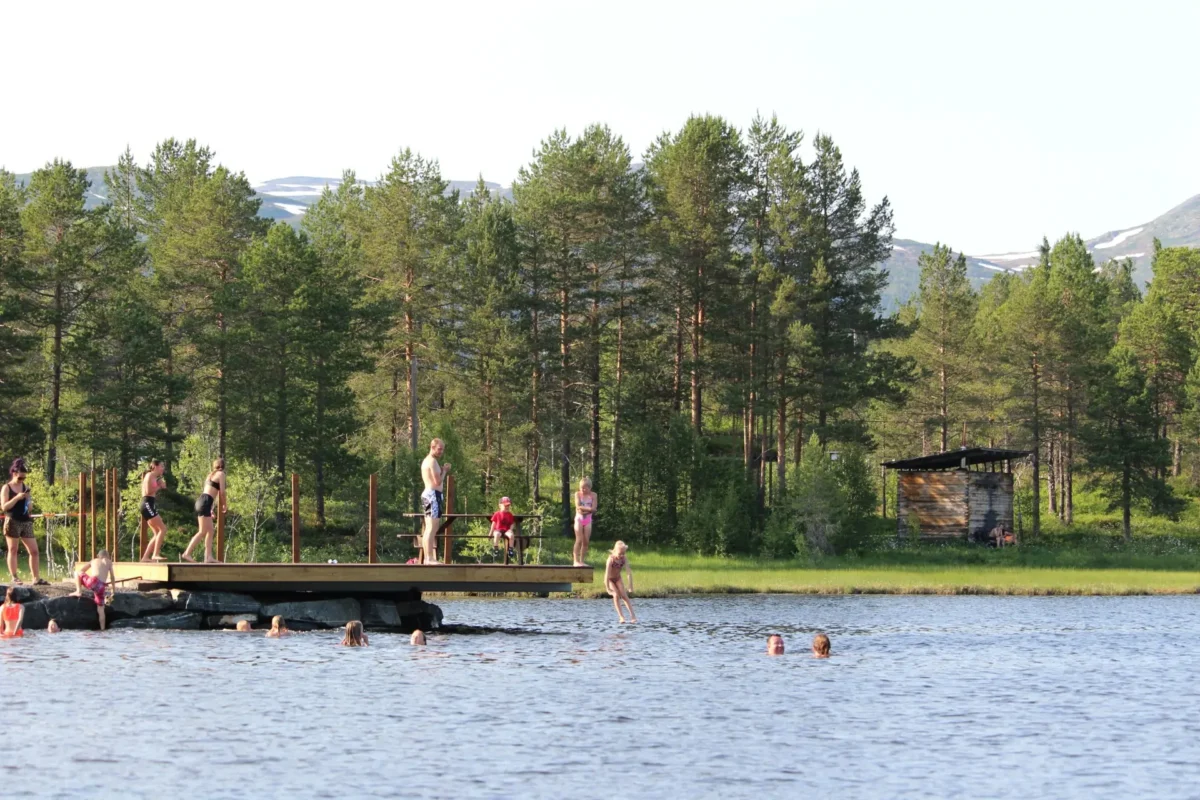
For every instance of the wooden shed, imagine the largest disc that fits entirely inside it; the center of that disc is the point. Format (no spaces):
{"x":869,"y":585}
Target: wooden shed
{"x":959,"y":494}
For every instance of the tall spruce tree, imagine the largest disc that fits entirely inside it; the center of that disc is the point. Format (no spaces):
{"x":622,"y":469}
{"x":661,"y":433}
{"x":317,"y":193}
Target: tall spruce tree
{"x":19,"y":429}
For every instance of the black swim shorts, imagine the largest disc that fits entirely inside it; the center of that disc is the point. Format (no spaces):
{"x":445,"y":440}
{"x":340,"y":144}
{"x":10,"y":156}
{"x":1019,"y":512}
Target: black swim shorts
{"x":204,"y":505}
{"x":148,"y":508}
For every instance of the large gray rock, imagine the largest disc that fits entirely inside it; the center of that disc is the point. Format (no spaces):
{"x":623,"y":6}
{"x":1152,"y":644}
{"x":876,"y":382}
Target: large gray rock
{"x":73,"y":613}
{"x":380,"y":614}
{"x":21,"y":594}
{"x":223,"y":621}
{"x":137,"y":604}
{"x":327,"y":613}
{"x":215,"y":602}
{"x":419,"y":614}
{"x":172,"y":620}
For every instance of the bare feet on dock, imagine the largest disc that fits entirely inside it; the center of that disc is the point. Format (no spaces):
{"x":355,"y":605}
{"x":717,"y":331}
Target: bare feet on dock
{"x":581,"y":564}
{"x":433,"y":563}
{"x":211,"y":561}
{"x":187,"y":558}
{"x":158,"y":558}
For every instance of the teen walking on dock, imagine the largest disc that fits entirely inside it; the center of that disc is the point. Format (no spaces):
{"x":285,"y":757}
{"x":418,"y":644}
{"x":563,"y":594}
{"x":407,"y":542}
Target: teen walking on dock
{"x":152,"y":481}
{"x":214,"y":492}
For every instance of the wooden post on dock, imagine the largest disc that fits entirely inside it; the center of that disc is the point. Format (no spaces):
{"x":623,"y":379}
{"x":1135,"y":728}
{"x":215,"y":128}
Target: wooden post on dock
{"x":82,"y":515}
{"x":295,"y":518}
{"x":448,"y":540}
{"x":92,"y":508}
{"x":110,"y":513}
{"x":221,"y":525}
{"x":372,"y":520}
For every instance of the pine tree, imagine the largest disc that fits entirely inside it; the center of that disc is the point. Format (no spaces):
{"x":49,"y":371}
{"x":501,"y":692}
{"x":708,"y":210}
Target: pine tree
{"x":19,"y":428}
{"x":1125,"y":458}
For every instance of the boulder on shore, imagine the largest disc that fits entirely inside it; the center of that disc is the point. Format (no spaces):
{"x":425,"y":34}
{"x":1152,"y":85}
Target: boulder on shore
{"x":138,"y":604}
{"x":173,"y":620}
{"x":327,"y":613}
{"x":77,"y":613}
{"x":215,"y":602}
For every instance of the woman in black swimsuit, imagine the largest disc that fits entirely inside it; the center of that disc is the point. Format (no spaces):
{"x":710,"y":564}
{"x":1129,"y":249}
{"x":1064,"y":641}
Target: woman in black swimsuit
{"x":214,"y":492}
{"x":17,"y":505}
{"x":152,"y":481}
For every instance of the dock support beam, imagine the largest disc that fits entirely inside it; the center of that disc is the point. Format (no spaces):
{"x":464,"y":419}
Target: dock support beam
{"x":295,"y":518}
{"x":447,"y":539}
{"x":372,"y":520}
{"x":92,"y":508}
{"x":82,"y":516}
{"x":221,"y":525}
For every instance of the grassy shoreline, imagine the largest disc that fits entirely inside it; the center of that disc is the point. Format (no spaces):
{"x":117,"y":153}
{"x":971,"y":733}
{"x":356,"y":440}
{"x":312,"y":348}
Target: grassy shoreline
{"x":658,"y":574}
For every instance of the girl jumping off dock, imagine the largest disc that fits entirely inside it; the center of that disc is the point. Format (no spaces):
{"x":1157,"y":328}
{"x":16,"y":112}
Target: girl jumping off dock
{"x":152,"y":481}
{"x":613,"y":583}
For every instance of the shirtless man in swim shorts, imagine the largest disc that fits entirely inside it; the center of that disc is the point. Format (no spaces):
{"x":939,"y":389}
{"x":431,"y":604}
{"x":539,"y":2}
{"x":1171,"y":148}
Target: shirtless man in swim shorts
{"x":96,"y":575}
{"x":433,"y":502}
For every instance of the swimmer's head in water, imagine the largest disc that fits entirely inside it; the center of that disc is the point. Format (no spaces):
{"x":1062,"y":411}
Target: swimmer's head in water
{"x":354,"y":634}
{"x":277,"y":623}
{"x":774,"y":645}
{"x":821,"y":646}
{"x":243,"y":625}
{"x":53,"y":626}
{"x":418,"y":637}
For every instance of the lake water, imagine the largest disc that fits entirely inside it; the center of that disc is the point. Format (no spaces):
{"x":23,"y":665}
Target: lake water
{"x":924,"y":696}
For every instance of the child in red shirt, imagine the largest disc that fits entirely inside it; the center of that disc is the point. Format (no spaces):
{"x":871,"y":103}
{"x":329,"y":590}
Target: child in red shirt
{"x":502,"y":523}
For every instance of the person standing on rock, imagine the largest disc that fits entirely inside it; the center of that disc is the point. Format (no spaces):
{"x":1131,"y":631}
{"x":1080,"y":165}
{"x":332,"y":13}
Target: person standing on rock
{"x":433,"y":502}
{"x":96,"y":576}
{"x":152,"y":481}
{"x":214,"y":492}
{"x":17,"y":505}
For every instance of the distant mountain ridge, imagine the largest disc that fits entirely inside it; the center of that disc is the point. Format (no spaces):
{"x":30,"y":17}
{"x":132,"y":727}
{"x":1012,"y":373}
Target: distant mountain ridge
{"x":287,"y":199}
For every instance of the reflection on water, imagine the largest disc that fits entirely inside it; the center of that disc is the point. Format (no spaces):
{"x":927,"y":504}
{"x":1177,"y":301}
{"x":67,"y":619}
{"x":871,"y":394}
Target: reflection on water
{"x":924,"y":696}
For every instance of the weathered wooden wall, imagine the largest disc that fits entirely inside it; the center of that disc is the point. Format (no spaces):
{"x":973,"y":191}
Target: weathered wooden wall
{"x":991,"y":499}
{"x":955,"y":504}
{"x":938,"y":501}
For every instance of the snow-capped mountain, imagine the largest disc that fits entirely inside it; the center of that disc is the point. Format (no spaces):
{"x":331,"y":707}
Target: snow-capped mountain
{"x":288,"y":198}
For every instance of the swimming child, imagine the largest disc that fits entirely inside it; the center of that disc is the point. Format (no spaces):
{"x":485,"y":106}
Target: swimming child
{"x":243,"y":626}
{"x":502,"y":523}
{"x":12,"y":616}
{"x":53,"y":626}
{"x":278,"y":628}
{"x":95,"y":575}
{"x":820,"y":646}
{"x":774,"y":645}
{"x":418,"y":638}
{"x":613,"y":583}
{"x":354,"y":635}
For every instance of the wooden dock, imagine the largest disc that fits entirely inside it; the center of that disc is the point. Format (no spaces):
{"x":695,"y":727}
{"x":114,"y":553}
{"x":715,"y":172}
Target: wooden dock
{"x":351,"y":578}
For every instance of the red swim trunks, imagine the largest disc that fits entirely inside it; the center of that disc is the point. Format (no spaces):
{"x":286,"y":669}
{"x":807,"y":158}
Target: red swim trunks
{"x":96,"y":585}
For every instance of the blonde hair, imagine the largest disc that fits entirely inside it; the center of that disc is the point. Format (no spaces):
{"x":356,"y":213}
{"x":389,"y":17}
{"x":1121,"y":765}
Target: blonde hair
{"x":277,"y":623}
{"x":354,"y":634}
{"x":618,"y":545}
{"x":585,"y":481}
{"x":821,"y":645}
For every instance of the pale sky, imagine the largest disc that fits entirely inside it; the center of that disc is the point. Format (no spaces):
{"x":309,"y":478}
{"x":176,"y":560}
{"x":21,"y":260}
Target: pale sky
{"x":988,"y":125}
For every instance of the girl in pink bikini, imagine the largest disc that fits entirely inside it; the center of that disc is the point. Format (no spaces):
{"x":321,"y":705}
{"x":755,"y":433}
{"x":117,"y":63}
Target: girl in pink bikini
{"x":11,"y":617}
{"x":585,"y":506}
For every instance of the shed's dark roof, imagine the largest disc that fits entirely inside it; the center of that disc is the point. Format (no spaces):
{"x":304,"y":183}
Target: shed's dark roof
{"x":954,"y":458}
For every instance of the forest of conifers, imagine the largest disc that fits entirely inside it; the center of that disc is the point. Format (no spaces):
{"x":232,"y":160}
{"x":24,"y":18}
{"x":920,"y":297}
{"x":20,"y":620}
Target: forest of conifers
{"x":695,"y":329}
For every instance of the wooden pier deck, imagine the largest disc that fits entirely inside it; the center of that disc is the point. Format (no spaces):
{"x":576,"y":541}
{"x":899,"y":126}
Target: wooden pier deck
{"x":351,"y":578}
